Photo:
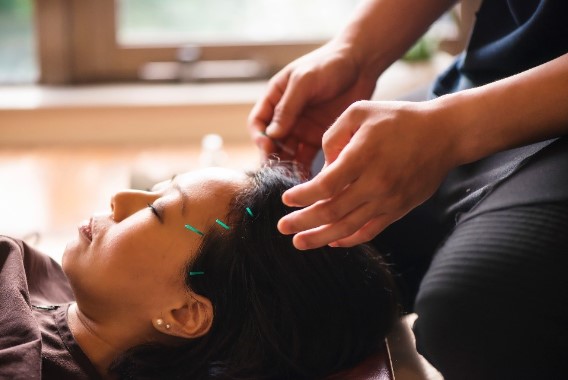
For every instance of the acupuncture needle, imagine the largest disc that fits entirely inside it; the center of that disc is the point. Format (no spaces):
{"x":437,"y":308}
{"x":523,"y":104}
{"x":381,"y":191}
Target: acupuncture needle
{"x":279,"y":144}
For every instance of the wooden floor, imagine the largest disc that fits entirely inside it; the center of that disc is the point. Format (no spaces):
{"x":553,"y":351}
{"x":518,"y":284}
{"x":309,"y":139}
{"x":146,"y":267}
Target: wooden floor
{"x":46,"y":192}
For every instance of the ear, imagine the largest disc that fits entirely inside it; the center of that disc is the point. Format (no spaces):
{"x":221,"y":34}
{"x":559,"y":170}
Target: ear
{"x":190,"y":319}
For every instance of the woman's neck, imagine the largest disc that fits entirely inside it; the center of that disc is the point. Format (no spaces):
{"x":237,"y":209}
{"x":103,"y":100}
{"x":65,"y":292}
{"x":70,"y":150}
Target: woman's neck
{"x":100,"y":343}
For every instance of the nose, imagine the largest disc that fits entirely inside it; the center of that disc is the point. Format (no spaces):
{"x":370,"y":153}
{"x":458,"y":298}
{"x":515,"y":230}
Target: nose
{"x":127,"y":202}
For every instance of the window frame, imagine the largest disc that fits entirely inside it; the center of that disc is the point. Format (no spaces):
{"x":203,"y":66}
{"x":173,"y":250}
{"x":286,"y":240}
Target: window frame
{"x":77,"y":43}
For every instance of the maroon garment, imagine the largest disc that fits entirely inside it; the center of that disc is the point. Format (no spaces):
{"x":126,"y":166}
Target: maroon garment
{"x":35,"y":340}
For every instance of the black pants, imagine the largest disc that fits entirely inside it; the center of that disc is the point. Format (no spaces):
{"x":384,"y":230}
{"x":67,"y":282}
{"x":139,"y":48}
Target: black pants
{"x":487,"y":276}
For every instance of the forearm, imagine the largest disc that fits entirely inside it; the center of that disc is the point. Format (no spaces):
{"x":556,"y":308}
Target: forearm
{"x":381,"y":31}
{"x":515,"y":111}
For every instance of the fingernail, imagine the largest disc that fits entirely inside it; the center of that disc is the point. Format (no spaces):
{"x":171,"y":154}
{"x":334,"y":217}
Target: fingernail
{"x":301,"y":246}
{"x":271,"y":129}
{"x":286,"y":200}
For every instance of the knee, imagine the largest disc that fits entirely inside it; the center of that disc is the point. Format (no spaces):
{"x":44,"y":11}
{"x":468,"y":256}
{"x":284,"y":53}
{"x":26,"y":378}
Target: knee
{"x":469,"y":335}
{"x":449,"y":332}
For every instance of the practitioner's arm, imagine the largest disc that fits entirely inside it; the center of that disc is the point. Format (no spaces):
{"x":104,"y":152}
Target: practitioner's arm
{"x":306,"y":97}
{"x":385,"y":158}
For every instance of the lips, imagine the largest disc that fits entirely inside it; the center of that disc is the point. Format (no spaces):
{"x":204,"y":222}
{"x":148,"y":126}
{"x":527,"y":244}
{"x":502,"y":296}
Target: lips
{"x":86,"y":230}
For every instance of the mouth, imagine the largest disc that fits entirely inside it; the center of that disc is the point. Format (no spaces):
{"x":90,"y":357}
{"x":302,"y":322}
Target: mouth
{"x":86,"y":230}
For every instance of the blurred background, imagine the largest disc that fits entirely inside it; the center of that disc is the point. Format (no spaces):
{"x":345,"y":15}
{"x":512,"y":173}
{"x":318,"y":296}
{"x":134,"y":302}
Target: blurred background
{"x":97,"y":96}
{"x":100,"y":95}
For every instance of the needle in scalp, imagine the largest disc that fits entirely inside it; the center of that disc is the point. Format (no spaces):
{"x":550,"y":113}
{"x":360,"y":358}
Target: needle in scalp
{"x":193,"y":229}
{"x":279,"y":144}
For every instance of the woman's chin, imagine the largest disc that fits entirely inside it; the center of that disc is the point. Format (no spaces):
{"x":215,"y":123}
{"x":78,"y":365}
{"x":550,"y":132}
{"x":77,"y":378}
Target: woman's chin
{"x":72,"y":249}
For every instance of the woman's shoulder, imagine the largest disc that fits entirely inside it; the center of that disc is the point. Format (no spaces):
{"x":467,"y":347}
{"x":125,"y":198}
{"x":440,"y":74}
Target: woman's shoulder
{"x":12,"y":269}
{"x":38,"y":293}
{"x":18,"y":250}
{"x":8,"y":245}
{"x":24,"y":263}
{"x":17,"y":321}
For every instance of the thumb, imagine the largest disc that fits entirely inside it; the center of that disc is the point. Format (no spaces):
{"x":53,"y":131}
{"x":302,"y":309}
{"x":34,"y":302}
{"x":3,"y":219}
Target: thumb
{"x":288,"y":109}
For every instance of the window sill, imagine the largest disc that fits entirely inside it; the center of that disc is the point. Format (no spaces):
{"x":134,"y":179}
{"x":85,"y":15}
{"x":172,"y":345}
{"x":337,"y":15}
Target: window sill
{"x":157,"y":113}
{"x":131,"y":113}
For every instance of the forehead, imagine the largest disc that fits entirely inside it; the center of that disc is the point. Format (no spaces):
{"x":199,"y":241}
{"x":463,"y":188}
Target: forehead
{"x":211,"y":180}
{"x":206,"y":192}
{"x":208,"y":178}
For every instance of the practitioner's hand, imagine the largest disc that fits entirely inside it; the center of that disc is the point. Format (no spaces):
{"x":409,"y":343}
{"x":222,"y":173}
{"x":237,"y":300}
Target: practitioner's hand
{"x":382,"y":160}
{"x":305,"y":98}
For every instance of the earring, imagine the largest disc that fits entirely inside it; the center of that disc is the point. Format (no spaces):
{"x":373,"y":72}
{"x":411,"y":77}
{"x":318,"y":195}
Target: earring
{"x":160,"y":323}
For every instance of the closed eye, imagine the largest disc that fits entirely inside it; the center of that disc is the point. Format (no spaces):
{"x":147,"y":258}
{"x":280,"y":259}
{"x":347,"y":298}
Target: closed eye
{"x":155,"y":212}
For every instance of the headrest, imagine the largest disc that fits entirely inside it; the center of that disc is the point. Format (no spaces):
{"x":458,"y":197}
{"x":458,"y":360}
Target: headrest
{"x":376,"y":367}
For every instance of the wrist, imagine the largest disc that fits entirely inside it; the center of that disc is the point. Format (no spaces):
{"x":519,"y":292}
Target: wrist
{"x":358,"y":51}
{"x":458,"y":124}
{"x":507,"y":113}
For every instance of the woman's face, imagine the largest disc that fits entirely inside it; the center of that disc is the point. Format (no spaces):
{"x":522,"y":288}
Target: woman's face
{"x":132,"y":259}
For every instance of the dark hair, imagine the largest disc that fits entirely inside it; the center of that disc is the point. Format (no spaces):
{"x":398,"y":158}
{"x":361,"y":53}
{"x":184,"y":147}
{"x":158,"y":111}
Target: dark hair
{"x":279,"y":313}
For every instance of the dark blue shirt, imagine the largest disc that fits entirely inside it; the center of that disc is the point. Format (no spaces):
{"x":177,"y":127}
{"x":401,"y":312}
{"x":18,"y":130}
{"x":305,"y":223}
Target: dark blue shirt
{"x":509,"y":36}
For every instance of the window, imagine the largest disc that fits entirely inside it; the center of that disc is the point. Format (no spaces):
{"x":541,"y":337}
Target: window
{"x":142,"y":22}
{"x":119,"y":40}
{"x":85,"y":41}
{"x":17,"y":49}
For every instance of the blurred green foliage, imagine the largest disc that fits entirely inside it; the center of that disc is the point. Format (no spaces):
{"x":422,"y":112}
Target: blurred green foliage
{"x":17,"y":53}
{"x":15,"y":6}
{"x":422,"y":50}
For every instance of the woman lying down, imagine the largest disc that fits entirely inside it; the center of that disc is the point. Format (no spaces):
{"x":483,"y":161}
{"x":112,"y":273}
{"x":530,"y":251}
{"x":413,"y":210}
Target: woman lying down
{"x":191,"y":280}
